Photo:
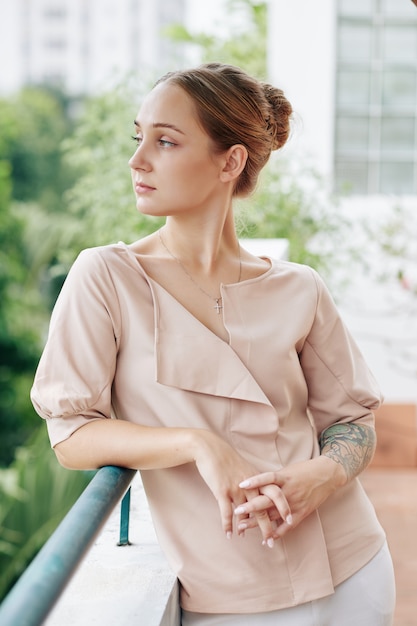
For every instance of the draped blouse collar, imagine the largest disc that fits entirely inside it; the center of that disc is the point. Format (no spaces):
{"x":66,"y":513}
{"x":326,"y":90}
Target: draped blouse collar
{"x":218,"y":370}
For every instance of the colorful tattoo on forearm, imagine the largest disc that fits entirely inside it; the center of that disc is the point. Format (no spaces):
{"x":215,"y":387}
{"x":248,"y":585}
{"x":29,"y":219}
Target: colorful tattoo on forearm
{"x":351,"y":445}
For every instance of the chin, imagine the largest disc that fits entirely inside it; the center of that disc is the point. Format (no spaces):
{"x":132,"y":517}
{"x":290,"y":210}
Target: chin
{"x":162,"y":210}
{"x":150,"y":211}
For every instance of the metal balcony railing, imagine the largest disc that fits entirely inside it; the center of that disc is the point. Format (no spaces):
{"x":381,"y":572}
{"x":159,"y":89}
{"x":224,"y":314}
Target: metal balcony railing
{"x":38,"y":589}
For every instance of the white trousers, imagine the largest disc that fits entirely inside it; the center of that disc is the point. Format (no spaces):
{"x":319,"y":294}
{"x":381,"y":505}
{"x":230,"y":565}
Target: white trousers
{"x":365,"y":599}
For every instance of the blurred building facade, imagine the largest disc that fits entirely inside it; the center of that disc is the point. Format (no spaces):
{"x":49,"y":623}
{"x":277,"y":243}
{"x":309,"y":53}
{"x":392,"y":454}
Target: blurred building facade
{"x":83,"y":45}
{"x":350,"y":69}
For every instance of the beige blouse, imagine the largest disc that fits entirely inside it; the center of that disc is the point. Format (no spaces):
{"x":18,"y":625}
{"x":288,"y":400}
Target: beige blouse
{"x":121,"y":344}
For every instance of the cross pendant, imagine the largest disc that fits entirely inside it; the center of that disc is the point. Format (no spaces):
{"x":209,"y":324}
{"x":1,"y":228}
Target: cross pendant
{"x":218,"y":306}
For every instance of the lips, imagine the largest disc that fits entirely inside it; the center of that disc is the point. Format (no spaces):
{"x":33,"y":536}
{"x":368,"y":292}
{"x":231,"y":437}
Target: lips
{"x":142,"y":188}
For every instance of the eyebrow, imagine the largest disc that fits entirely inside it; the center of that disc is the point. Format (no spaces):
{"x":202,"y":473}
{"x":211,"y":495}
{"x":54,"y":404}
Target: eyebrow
{"x":161,"y":125}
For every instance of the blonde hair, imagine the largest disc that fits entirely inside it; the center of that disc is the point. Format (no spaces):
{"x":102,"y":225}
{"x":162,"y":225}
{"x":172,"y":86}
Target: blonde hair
{"x":235,"y":108}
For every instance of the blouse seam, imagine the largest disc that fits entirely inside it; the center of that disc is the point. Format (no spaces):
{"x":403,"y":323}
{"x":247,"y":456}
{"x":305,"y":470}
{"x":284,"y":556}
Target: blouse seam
{"x":348,"y":395}
{"x":315,"y":350}
{"x":118,"y":334}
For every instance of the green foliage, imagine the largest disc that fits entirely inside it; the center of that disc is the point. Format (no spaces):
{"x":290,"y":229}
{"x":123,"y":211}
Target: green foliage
{"x":36,"y":493}
{"x":282,"y":208}
{"x":18,"y":337}
{"x":100,"y":204}
{"x":398,"y":234}
{"x":394,"y":237}
{"x":32,"y":126}
{"x":244,"y":42}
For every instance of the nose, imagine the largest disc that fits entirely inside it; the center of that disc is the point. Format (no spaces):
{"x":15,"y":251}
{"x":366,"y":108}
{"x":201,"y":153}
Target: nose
{"x":138,"y":160}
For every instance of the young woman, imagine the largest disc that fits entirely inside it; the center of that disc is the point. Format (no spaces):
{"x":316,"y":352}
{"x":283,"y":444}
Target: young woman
{"x":234,"y":384}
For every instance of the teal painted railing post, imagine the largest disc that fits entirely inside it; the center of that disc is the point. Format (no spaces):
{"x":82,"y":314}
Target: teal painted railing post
{"x":124,"y":519}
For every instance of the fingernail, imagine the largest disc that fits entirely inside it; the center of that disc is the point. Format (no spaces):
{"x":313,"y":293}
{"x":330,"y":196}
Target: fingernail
{"x":270,"y":542}
{"x":228,"y":534}
{"x":242,"y":526}
{"x":239,"y":510}
{"x":288,"y":519}
{"x":244,"y":484}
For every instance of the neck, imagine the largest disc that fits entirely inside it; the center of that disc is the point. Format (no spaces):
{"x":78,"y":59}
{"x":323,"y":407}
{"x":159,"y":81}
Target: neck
{"x":204,"y":246}
{"x":216,"y":298}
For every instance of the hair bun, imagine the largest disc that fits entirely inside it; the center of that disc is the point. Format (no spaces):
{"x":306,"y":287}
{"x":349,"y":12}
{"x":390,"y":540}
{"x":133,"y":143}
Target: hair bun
{"x":236,"y":108}
{"x":278,"y":120}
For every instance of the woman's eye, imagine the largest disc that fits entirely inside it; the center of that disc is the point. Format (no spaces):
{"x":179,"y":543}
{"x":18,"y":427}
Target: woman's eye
{"x":164,"y":143}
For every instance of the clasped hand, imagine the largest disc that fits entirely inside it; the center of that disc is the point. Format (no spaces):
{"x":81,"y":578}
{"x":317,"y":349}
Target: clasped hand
{"x":275,"y":501}
{"x":287,"y":496}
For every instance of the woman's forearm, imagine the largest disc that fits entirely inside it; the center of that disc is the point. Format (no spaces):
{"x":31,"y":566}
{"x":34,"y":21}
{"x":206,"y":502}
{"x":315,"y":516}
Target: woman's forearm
{"x":350,"y":445}
{"x":117,"y":442}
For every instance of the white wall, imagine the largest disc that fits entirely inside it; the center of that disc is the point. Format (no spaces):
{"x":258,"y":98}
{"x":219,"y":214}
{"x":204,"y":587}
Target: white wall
{"x":302,"y":53}
{"x":301,"y":61}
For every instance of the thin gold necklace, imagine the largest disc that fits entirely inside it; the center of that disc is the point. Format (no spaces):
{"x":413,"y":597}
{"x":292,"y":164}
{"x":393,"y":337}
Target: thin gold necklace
{"x":219,"y":304}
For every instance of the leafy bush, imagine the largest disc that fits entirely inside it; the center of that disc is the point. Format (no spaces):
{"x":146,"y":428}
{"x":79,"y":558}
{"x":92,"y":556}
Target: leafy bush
{"x":36,"y":493}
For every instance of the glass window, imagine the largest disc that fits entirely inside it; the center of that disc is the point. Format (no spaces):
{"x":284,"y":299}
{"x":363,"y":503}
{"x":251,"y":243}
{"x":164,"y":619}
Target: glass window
{"x":397,"y":178}
{"x":352,"y":177}
{"x":353,"y":87}
{"x":54,"y":12}
{"x":397,"y":134}
{"x":376,"y":97}
{"x":55,"y":44}
{"x":399,"y":88}
{"x":355,"y":42}
{"x":399,"y":8}
{"x":356,"y":7}
{"x":352,"y":133}
{"x":400,"y":44}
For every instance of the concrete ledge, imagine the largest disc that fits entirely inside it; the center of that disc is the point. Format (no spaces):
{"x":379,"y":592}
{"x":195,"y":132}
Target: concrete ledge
{"x":123,"y":585}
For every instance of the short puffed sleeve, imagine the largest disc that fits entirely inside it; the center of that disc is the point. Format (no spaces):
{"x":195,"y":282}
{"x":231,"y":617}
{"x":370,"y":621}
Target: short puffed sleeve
{"x":74,"y":377}
{"x":341,"y":387}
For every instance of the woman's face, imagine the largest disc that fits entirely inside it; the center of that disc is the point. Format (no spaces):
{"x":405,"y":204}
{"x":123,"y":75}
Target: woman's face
{"x":174,"y":169}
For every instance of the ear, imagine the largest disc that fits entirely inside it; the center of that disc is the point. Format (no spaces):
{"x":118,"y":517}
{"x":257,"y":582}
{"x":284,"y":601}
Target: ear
{"x":234,"y":162}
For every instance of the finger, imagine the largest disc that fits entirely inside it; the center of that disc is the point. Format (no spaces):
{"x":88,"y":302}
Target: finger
{"x":249,"y":522}
{"x":255,"y":505}
{"x":260,"y":480}
{"x":240,"y":518}
{"x":244,"y":497}
{"x":226,"y":516}
{"x":276,"y":495}
{"x":273,"y":493}
{"x":266,"y":527}
{"x":240,"y":511}
{"x":258,"y":507}
{"x":282,"y":529}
